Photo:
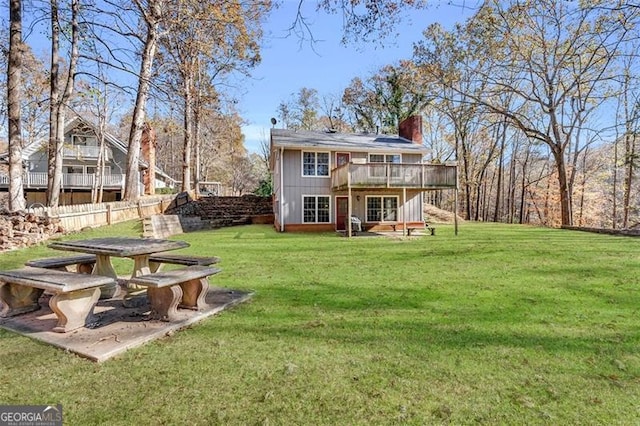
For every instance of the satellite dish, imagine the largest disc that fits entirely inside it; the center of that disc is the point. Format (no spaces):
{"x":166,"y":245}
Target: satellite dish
{"x":273,"y":121}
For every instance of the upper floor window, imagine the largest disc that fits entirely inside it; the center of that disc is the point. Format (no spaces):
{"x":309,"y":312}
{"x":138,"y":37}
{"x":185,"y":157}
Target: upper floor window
{"x":381,"y":170}
{"x":315,"y":163}
{"x":84,"y":140}
{"x":385,"y":158}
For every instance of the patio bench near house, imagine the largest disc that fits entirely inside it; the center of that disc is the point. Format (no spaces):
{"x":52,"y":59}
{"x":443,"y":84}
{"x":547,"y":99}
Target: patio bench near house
{"x":431,"y":229}
{"x":178,"y":288}
{"x":74,"y":295}
{"x":157,"y":260}
{"x":83,"y":262}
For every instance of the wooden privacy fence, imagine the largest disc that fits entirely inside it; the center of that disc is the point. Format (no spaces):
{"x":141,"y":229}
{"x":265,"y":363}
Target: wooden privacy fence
{"x":75,"y":217}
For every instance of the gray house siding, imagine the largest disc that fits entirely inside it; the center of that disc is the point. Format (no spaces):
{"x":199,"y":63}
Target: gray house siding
{"x":38,"y":161}
{"x":296,"y":186}
{"x":412,"y":208}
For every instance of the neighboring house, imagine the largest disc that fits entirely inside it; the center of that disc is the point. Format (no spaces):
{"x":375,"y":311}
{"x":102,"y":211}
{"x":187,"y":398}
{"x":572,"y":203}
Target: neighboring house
{"x":321,"y":179}
{"x":80,"y":159}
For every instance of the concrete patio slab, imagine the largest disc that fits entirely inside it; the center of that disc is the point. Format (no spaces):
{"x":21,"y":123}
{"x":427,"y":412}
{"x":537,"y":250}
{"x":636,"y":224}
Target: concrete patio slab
{"x":116,"y":329}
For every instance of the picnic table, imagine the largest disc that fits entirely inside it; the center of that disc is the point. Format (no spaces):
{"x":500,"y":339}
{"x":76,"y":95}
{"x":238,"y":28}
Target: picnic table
{"x":138,"y":249}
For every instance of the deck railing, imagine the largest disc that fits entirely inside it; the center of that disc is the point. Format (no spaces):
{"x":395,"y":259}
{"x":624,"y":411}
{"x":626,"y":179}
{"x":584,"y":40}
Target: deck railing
{"x":394,"y":175}
{"x":69,"y":180}
{"x":85,"y":152}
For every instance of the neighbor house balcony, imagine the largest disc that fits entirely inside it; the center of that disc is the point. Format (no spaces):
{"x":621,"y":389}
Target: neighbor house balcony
{"x":393,"y":176}
{"x":85,"y":152}
{"x":69,"y":181}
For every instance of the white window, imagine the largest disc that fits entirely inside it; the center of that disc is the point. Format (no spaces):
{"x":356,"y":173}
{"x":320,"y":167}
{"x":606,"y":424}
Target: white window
{"x":382,"y":209}
{"x":74,"y":169}
{"x":91,"y":170}
{"x":315,"y":163}
{"x":381,"y":171}
{"x":385,"y":158}
{"x":315,"y":209}
{"x":84,"y":140}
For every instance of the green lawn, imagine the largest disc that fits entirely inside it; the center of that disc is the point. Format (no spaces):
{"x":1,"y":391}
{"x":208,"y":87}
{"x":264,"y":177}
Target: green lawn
{"x":498,"y":325}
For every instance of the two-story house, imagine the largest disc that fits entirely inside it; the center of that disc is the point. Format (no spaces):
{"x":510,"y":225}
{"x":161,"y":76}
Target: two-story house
{"x":80,"y":159}
{"x":321,"y":179}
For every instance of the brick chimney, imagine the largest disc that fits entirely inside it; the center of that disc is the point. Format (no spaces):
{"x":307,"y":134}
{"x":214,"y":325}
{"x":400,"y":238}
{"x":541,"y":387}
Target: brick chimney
{"x":411,"y":128}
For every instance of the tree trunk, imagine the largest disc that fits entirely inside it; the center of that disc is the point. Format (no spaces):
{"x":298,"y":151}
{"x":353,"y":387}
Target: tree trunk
{"x":14,"y":71}
{"x":629,"y":159}
{"x":58,"y":100}
{"x":565,"y":193}
{"x":197,"y":173}
{"x":132,"y":181}
{"x":503,"y":137}
{"x":614,"y":184}
{"x":188,"y":133}
{"x":54,"y":179}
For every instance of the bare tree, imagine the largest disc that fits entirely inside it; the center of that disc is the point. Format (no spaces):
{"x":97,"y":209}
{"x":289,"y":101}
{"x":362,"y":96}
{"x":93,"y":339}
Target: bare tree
{"x":59,"y":97}
{"x":205,"y":42}
{"x":151,"y":12}
{"x":557,"y":59}
{"x":16,"y":190}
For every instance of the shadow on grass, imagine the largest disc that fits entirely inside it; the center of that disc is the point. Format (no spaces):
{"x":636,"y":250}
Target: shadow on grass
{"x":423,"y":334}
{"x":423,"y":318}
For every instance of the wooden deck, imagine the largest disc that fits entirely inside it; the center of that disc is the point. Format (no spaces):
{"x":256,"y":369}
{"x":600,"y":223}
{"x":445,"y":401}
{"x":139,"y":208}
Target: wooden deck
{"x":393,"y":176}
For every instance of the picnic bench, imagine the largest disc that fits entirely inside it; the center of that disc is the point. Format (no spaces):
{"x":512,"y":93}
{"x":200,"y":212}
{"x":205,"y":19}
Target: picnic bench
{"x":431,"y":229}
{"x":157,"y":260}
{"x":74,"y":295}
{"x":179,"y":288}
{"x":411,"y":230}
{"x":84,"y":263}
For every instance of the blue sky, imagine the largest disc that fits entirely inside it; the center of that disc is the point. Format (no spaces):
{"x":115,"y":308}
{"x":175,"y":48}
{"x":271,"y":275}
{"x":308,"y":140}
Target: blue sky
{"x":328,"y":66}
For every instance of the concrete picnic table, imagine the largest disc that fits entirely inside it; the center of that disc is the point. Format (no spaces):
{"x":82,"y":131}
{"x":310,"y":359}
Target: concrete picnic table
{"x":138,"y":249}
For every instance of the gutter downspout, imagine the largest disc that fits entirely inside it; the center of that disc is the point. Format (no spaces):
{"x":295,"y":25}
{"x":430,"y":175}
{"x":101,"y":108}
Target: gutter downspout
{"x":281,"y":159}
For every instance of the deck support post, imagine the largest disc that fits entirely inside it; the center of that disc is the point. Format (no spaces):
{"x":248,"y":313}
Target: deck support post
{"x":404,"y":211}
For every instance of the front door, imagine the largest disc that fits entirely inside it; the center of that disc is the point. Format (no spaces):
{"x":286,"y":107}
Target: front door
{"x":342,"y":209}
{"x":342,"y":158}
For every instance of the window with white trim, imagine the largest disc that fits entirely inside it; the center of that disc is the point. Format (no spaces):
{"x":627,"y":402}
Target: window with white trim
{"x":385,"y":158}
{"x":379,"y":171}
{"x":92,"y":170}
{"x":382,"y":209}
{"x":315,"y":209}
{"x":315,"y":163}
{"x":84,"y":140}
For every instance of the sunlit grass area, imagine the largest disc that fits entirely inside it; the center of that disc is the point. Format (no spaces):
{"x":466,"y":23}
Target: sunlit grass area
{"x":497,"y":325}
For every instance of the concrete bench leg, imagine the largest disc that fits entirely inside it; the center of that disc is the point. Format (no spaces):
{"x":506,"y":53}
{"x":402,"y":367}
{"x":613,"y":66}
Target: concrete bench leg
{"x":164,"y":302}
{"x":104,"y":267}
{"x":74,"y":309}
{"x":155,"y":266}
{"x":18,"y":299}
{"x":194,"y":293}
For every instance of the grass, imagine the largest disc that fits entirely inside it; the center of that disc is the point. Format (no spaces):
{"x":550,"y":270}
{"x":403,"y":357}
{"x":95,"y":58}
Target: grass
{"x":498,"y":325}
